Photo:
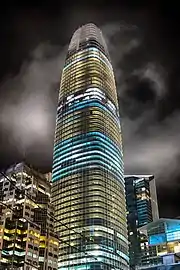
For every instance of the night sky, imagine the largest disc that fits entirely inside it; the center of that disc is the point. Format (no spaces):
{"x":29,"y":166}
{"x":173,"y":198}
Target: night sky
{"x":144,"y":44}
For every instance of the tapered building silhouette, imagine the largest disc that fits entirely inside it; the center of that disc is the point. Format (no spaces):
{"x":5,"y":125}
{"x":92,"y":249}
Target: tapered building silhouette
{"x":88,"y":182}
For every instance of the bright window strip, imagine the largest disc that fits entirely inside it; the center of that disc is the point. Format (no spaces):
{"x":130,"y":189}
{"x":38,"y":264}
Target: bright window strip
{"x":80,"y":153}
{"x":84,"y":145}
{"x":77,"y":158}
{"x":86,"y":136}
{"x":98,"y":164}
{"x":93,"y":52}
{"x":85,"y":104}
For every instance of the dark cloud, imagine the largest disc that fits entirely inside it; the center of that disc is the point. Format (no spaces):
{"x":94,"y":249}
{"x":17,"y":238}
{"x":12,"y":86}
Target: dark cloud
{"x":144,"y":54}
{"x":150,"y":143}
{"x":28,"y":104}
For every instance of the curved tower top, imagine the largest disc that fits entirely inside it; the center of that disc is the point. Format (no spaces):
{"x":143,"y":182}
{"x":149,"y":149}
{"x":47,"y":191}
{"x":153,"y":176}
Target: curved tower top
{"x":88,"y":35}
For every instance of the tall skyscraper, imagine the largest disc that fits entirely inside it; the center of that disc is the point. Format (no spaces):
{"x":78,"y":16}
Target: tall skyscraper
{"x":142,"y":208}
{"x":88,"y":182}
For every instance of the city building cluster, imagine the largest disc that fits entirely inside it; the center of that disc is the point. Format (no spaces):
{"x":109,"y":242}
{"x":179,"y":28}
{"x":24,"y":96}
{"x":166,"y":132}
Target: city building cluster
{"x":86,"y":214}
{"x":27,"y":237}
{"x":154,"y":243}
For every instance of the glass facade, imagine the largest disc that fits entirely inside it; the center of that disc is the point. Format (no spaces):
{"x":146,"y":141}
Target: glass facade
{"x":164,"y":242}
{"x":164,"y":267}
{"x":27,"y":238}
{"x":88,"y":185}
{"x":142,"y":208}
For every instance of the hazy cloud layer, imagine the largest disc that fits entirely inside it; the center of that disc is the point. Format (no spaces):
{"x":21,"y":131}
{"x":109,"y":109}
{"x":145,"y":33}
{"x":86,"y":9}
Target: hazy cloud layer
{"x":150,"y":146}
{"x":29,"y":100}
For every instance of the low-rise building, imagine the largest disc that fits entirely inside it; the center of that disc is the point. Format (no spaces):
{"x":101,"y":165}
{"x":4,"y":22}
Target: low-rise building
{"x":163,"y":244}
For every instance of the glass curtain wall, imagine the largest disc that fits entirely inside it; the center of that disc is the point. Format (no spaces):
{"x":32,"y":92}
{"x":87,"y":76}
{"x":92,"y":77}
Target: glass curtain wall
{"x":88,"y":181}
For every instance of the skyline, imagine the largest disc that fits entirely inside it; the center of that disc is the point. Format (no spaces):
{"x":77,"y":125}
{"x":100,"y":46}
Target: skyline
{"x":145,"y":124}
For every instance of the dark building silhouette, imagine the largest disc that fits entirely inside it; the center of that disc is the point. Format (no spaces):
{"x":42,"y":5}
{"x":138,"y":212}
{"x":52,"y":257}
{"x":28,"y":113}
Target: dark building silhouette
{"x":142,"y":208}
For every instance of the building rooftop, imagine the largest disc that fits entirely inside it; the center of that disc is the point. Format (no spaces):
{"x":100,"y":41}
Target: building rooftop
{"x":139,"y":175}
{"x":87,"y":32}
{"x":152,"y":224}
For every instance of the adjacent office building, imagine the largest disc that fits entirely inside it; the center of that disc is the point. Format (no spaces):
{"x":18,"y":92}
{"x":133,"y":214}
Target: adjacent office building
{"x":88,"y":181}
{"x":27,"y":238}
{"x":164,"y":244}
{"x":142,"y":208}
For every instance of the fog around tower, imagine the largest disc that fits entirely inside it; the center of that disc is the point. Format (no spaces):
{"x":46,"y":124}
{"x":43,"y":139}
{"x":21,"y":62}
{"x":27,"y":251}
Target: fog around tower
{"x":28,"y":105}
